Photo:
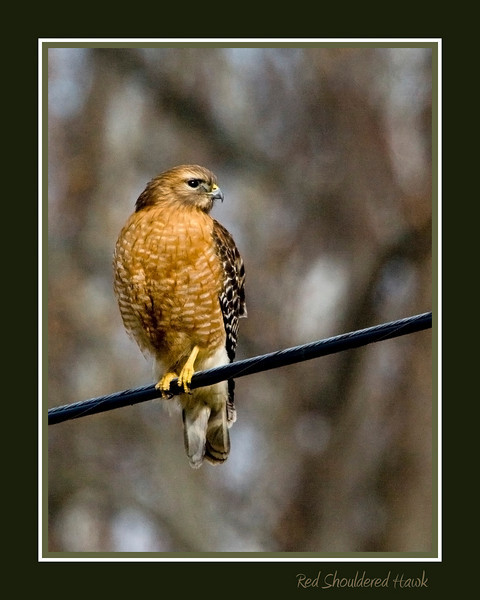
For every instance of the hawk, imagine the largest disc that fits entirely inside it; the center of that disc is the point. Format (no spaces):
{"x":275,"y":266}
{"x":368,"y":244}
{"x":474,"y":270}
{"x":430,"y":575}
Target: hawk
{"x":179,"y":281}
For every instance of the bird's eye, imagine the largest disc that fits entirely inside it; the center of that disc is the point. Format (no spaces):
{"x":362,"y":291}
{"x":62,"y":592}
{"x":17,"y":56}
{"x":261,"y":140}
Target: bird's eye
{"x":194,"y":183}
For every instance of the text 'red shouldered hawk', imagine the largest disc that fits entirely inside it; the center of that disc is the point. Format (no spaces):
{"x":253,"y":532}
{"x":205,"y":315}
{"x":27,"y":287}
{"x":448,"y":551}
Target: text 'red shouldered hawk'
{"x":179,"y":281}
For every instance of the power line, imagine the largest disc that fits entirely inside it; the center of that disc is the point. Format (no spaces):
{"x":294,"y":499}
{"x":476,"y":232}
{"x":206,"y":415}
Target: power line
{"x":249,"y":366}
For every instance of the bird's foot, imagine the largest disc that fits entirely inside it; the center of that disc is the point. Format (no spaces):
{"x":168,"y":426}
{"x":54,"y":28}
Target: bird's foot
{"x":186,"y":374}
{"x":184,"y":379}
{"x":164,"y":384}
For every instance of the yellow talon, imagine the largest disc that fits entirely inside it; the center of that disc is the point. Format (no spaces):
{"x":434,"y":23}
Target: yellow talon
{"x":186,"y":374}
{"x":164,"y":384}
{"x":184,"y":379}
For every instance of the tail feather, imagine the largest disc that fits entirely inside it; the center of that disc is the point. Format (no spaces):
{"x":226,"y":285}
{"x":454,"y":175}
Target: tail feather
{"x":195,"y":420}
{"x":231,"y":412}
{"x":206,"y":434}
{"x":218,"y":439}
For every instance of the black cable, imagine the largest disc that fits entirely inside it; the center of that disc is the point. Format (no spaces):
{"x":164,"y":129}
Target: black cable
{"x":248,"y":366}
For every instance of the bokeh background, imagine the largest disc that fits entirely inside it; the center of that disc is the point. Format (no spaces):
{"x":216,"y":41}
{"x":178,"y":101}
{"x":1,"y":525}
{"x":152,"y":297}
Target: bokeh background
{"x":324,"y":155}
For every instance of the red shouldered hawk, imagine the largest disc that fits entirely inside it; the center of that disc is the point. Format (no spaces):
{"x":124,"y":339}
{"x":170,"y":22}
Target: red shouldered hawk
{"x":179,"y":282}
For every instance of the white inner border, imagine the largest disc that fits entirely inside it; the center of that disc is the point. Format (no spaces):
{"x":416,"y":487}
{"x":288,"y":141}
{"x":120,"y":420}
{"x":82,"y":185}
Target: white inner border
{"x":369,"y":41}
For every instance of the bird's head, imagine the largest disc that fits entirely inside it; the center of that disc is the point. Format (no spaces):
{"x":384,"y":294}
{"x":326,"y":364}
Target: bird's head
{"x":189,"y":185}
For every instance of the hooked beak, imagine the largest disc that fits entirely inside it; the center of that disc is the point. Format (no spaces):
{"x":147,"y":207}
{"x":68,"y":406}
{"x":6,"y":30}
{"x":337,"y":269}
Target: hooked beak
{"x":216,"y":193}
